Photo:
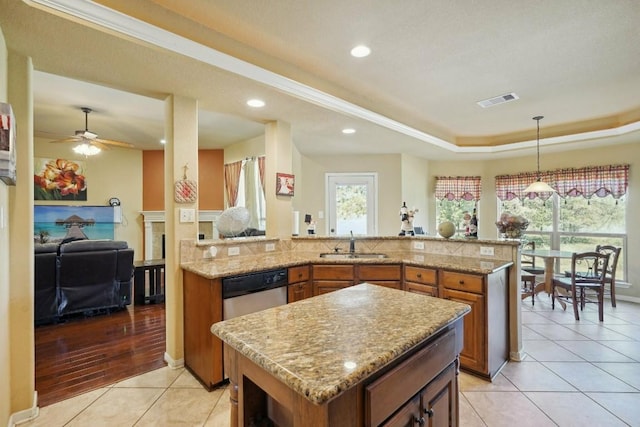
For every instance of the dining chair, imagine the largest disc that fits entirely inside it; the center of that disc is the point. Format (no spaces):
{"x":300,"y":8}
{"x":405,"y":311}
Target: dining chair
{"x":528,"y":282}
{"x":588,"y":272}
{"x":529,"y":272}
{"x":610,"y":279}
{"x":528,"y":262}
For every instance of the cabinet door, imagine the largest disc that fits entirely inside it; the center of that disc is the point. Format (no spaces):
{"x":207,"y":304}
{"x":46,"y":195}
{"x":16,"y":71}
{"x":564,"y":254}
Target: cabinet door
{"x":325,"y":286}
{"x":439,"y":400}
{"x":406,"y":416}
{"x":474,"y":353}
{"x":299,"y":291}
{"x":422,"y":289}
{"x":203,"y":307}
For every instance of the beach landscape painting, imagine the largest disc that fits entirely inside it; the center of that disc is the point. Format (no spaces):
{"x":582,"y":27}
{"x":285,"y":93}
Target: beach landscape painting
{"x":53,"y":224}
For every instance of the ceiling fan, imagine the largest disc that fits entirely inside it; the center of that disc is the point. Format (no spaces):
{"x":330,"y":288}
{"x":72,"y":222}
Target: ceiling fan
{"x":89,"y":143}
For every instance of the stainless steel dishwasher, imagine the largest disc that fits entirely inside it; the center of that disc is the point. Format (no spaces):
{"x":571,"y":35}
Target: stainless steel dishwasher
{"x":253,"y":292}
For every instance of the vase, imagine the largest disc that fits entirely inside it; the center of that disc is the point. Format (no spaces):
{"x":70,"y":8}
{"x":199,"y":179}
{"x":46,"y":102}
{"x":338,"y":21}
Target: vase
{"x":513,"y":234}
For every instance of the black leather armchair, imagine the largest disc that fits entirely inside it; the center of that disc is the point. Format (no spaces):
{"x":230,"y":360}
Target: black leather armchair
{"x":94,"y":274}
{"x":45,"y":289}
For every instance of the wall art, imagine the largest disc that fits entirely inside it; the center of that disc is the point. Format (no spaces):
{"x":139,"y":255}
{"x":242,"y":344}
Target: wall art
{"x":59,"y":179}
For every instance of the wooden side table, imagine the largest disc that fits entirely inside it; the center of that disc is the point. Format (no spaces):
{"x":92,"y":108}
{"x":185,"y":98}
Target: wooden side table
{"x":148,"y":281}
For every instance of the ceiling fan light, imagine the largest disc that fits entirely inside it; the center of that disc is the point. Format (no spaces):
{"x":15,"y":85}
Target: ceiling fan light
{"x":86,"y":149}
{"x":539,"y":187}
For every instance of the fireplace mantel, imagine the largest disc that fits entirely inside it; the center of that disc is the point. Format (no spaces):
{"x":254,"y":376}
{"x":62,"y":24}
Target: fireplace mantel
{"x":149,"y":217}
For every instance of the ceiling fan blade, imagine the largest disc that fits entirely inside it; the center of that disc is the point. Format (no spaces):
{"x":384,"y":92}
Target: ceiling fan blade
{"x":98,"y":143}
{"x":114,"y":143}
{"x":70,"y":139}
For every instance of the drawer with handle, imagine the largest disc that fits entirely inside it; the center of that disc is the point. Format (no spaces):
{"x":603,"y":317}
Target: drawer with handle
{"x":426,"y":276}
{"x":462,"y":281}
{"x":298,"y":274}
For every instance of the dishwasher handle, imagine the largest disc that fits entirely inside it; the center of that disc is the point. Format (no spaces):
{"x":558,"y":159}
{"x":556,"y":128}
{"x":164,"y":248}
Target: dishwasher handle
{"x":251,"y":283}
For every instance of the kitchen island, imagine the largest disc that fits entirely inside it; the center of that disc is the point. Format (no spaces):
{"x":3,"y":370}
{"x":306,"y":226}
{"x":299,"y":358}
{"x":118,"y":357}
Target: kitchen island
{"x":362,"y":356}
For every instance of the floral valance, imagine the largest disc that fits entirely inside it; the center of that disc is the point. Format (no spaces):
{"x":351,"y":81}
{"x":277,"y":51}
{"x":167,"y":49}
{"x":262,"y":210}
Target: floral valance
{"x":458,"y":187}
{"x":587,"y":182}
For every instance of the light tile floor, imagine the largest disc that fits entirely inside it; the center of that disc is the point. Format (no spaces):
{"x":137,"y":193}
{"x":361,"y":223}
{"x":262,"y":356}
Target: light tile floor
{"x":576,"y":373}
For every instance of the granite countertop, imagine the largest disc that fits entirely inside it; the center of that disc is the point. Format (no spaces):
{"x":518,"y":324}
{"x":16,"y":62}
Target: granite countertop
{"x":216,"y":268}
{"x":322,"y":346}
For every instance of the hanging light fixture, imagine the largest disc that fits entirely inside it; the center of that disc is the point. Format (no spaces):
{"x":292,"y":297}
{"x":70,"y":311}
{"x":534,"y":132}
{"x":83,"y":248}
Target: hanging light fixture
{"x":538,"y":186}
{"x":86,"y":149}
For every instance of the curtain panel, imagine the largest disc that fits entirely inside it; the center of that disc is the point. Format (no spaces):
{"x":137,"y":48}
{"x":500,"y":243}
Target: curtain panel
{"x":458,"y":188}
{"x":261,"y":166}
{"x":232,"y":181}
{"x":584,"y":182}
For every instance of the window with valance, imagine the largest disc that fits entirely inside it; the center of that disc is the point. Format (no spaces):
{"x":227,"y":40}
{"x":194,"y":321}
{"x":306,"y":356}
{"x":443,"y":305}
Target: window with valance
{"x":584,"y":182}
{"x":458,"y":188}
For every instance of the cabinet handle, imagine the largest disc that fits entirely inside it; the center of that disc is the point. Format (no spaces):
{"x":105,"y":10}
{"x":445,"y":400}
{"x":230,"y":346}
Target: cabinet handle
{"x":428,"y":412}
{"x":419,"y":275}
{"x":419,"y":421}
{"x":461,"y":282}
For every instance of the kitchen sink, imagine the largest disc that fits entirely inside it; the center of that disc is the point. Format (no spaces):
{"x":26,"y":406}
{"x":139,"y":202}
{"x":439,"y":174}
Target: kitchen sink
{"x":356,"y":255}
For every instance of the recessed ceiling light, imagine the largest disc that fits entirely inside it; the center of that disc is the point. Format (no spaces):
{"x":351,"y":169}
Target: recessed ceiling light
{"x":255,"y":103}
{"x":360,"y":51}
{"x":348,"y":131}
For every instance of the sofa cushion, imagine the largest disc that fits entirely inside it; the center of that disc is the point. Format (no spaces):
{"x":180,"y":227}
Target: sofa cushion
{"x":44,"y":248}
{"x":87,"y":281}
{"x":92,"y":245}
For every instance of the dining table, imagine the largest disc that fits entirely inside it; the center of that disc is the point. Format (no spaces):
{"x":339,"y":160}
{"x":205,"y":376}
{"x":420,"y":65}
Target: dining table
{"x":549,"y":256}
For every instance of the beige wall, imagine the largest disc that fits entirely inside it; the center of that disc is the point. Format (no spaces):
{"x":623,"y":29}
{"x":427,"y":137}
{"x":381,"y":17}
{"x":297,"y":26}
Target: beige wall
{"x":240,"y":150}
{"x":388,"y":166}
{"x":105,"y":180}
{"x":5,"y":366}
{"x":413,"y":180}
{"x":415,"y":190}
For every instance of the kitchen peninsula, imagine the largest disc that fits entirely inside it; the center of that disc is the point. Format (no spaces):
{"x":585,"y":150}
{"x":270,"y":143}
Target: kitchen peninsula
{"x":359,"y":356}
{"x":448,"y":269}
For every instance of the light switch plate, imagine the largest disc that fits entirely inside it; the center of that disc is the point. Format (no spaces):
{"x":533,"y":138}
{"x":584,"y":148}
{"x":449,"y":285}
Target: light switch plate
{"x":234,"y":250}
{"x":270,"y":247}
{"x":418,"y":245}
{"x":187,"y":215}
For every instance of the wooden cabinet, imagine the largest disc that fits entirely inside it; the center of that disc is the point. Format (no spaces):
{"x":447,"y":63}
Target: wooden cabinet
{"x":389,"y":275}
{"x":300,"y":286}
{"x":202,"y":308}
{"x":486,"y":328}
{"x":331,"y":277}
{"x":422,"y":387}
{"x":421,"y":280}
{"x":435,"y":405}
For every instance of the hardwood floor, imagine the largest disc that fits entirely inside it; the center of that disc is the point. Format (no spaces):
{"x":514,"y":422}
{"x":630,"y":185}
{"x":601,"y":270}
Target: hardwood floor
{"x":88,"y":353}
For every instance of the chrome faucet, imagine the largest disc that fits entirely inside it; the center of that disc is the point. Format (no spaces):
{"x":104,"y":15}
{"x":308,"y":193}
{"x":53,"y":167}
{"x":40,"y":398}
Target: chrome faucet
{"x":352,"y":244}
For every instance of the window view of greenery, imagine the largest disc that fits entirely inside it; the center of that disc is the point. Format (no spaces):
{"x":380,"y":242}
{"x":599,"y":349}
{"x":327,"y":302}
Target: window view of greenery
{"x":582,"y":224}
{"x":351,"y":209}
{"x":453,"y":210}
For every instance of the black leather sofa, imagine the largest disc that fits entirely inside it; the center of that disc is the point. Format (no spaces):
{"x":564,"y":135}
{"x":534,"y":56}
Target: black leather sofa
{"x":81,"y":276}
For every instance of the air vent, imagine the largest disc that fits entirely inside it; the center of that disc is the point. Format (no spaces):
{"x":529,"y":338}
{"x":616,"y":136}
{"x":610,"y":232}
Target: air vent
{"x":498,"y":100}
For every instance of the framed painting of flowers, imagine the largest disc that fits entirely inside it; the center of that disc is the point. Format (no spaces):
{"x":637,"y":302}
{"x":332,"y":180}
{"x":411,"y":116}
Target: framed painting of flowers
{"x":59,"y":179}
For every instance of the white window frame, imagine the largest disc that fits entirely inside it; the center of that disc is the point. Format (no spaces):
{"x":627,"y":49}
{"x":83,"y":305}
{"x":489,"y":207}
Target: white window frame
{"x":368,"y":178}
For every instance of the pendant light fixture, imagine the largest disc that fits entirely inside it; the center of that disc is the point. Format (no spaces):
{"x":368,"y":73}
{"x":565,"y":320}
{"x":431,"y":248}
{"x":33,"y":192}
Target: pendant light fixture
{"x":538,"y":186}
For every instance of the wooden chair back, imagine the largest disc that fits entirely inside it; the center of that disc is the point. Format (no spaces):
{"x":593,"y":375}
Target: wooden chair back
{"x":610,"y":278}
{"x":588,"y":273}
